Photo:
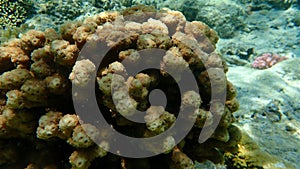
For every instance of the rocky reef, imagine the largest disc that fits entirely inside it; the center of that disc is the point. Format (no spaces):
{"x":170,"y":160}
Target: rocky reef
{"x":270,"y":109}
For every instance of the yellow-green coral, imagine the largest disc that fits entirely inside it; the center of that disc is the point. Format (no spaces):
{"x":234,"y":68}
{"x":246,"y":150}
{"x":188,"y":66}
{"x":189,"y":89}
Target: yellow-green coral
{"x":12,"y":13}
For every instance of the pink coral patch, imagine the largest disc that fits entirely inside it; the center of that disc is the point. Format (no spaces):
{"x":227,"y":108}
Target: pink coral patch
{"x":267,"y":60}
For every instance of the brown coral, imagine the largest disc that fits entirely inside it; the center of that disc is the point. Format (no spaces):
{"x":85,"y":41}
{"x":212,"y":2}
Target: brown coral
{"x":32,"y":39}
{"x":38,"y":69}
{"x":64,"y":53}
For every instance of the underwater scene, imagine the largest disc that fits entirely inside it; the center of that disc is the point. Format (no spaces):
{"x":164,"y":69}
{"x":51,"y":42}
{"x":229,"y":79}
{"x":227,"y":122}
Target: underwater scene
{"x":150,"y":84}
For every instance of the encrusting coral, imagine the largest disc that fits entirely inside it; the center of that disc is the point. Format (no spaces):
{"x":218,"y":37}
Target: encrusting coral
{"x":38,"y":70}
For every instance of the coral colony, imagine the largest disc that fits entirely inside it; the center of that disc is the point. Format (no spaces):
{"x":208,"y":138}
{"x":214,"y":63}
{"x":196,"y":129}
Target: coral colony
{"x":38,"y":69}
{"x":267,"y":60}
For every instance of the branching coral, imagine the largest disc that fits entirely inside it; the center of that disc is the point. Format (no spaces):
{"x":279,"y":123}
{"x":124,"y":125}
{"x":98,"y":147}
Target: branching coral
{"x":13,"y":13}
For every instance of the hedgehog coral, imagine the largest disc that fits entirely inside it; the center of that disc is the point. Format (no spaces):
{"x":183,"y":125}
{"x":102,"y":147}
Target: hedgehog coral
{"x":38,"y":70}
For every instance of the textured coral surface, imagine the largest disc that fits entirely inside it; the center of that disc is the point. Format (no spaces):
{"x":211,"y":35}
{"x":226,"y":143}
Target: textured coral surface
{"x":13,"y":13}
{"x":267,"y":60}
{"x":37,"y":118}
